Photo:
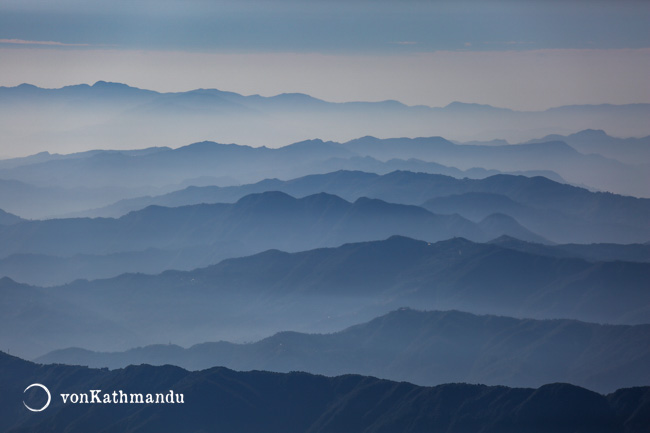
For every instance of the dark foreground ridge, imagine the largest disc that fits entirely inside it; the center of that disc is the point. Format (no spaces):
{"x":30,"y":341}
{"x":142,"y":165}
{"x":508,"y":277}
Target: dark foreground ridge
{"x":218,"y":400}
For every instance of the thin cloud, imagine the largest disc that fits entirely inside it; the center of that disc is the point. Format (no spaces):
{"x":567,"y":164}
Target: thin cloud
{"x":404,"y":43}
{"x":49,"y":43}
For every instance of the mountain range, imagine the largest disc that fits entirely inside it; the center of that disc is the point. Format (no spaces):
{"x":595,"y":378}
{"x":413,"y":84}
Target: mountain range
{"x":558,"y":212}
{"x":219,"y":399}
{"x":48,"y":269}
{"x":628,"y":150}
{"x":320,"y":290}
{"x":269,"y":219}
{"x":591,"y":252}
{"x":47,"y":185}
{"x":110,"y":114}
{"x":157,"y":238}
{"x":161,"y":167}
{"x":425,"y":348}
{"x":200,"y":226}
{"x":157,"y":124}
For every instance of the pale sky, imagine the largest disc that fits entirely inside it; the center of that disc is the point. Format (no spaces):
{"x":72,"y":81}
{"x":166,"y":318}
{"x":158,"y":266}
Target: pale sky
{"x":517,"y":54}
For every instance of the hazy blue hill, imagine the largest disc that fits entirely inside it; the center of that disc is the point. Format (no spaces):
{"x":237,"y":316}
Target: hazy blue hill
{"x":101,"y":91}
{"x":426,"y":348}
{"x":465,"y":107}
{"x":629,"y":150}
{"x":561,"y":224}
{"x":372,"y":165}
{"x":251,"y":164}
{"x":553,"y":155}
{"x":49,"y":318}
{"x":211,"y":102}
{"x":156,"y":238}
{"x":68,"y":119}
{"x":384,"y":149}
{"x":501,"y":223}
{"x":328,"y":289}
{"x":258,"y":221}
{"x":160,"y":167}
{"x":47,"y":156}
{"x":49,"y":270}
{"x":476,"y":205}
{"x":444,"y":151}
{"x":219,"y":399}
{"x":31,"y":201}
{"x":7,"y":218}
{"x":558,"y":212}
{"x":593,"y":252}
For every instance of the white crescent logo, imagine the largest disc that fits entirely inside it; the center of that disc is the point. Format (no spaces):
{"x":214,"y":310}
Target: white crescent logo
{"x":49,"y":397}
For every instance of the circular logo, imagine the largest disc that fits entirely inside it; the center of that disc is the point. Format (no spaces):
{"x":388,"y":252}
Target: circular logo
{"x":49,"y":397}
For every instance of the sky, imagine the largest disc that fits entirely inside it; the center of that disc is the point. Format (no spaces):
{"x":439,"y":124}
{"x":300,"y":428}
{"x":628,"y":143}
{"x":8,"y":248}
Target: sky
{"x":526,"y":55}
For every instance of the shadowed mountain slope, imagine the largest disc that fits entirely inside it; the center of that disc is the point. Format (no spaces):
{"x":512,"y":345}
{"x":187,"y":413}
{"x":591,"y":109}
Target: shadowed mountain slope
{"x":558,"y":212}
{"x":224,"y":400}
{"x":591,"y":252}
{"x":629,"y":150}
{"x":322,"y":291}
{"x":426,"y":348}
{"x":259,"y":221}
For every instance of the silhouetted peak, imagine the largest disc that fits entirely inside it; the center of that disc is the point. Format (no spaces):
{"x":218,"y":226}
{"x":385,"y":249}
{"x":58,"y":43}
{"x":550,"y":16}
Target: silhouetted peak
{"x":26,"y":86}
{"x":110,"y":85}
{"x":295,"y":98}
{"x":209,"y":146}
{"x":364,"y":139}
{"x":591,"y":134}
{"x":8,"y":282}
{"x":471,"y":107}
{"x":309,"y":145}
{"x":274,"y":198}
{"x":455,"y":242}
{"x":409,"y":175}
{"x":313,"y":142}
{"x":368,"y":201}
{"x":324,"y":198}
{"x":458,"y":104}
{"x":550,"y":392}
{"x":377,"y":205}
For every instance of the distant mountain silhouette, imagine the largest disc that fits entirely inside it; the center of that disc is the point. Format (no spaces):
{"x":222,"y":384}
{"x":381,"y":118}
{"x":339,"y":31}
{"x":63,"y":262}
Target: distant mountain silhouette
{"x":560,"y":213}
{"x":94,"y":176}
{"x":476,"y":205}
{"x":321,"y":290}
{"x":224,"y":400}
{"x":65,"y":184}
{"x":556,"y":156}
{"x":113,"y":113}
{"x":7,"y":218}
{"x":158,"y":238}
{"x":628,"y":150}
{"x":30,"y":201}
{"x":270,"y":219}
{"x":592,"y":252}
{"x":49,"y":270}
{"x":161,"y":166}
{"x":426,"y":348}
{"x":501,"y":223}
